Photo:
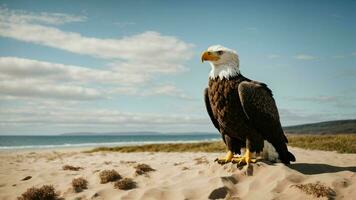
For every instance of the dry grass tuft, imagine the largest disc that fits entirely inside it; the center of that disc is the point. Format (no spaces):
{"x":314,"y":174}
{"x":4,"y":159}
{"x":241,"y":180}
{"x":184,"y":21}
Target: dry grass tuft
{"x":143,"y":169}
{"x":317,"y":190}
{"x":79,"y":184}
{"x":201,"y":160}
{"x":71,"y":168}
{"x":125,"y":184}
{"x":109,"y":176}
{"x":46,"y":192}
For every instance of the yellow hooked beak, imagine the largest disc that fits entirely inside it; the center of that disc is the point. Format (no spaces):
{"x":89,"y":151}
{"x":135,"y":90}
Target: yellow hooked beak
{"x":210,"y":56}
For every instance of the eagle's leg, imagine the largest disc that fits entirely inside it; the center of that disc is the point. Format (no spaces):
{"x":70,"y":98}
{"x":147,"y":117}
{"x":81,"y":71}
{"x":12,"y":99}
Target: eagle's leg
{"x":245,"y":159}
{"x":228,"y":157}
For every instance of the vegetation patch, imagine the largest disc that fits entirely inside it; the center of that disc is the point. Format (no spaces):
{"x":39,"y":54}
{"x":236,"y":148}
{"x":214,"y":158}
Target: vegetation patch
{"x":79,"y":184}
{"x":341,"y":143}
{"x":109,"y":176}
{"x":46,"y":192}
{"x":317,"y":190}
{"x":125,"y":184}
{"x":184,"y":147}
{"x":71,"y":168}
{"x":201,"y":160}
{"x":143,"y":169}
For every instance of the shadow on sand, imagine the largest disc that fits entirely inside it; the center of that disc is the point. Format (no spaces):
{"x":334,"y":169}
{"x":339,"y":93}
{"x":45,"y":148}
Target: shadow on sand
{"x":316,"y":168}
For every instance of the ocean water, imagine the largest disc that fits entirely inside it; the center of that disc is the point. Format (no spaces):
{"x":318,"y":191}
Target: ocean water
{"x":64,"y":141}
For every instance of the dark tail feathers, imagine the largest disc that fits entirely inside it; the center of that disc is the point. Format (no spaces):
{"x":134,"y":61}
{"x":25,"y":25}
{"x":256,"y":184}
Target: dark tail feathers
{"x":287,"y":158}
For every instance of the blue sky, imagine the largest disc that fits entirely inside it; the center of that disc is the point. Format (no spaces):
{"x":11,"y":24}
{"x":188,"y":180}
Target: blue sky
{"x":73,"y":66}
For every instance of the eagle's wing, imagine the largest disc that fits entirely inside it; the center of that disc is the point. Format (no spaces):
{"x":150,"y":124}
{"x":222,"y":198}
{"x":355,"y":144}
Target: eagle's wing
{"x":261,"y":110}
{"x":210,"y":111}
{"x":232,"y":143}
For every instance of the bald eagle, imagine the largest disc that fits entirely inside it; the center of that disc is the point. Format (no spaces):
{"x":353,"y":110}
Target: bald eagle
{"x":242,"y":110}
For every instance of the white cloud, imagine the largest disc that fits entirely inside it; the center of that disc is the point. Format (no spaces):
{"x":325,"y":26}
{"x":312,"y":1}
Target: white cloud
{"x":148,"y":47}
{"x":145,"y":49}
{"x":37,"y":89}
{"x":23,"y":78}
{"x":352,"y":54}
{"x":133,"y":65}
{"x":132,"y":60}
{"x":158,"y":90}
{"x":305,"y":57}
{"x":168,"y":90}
{"x":342,"y":101}
{"x":84,"y":116}
{"x":339,"y":56}
{"x":21,"y":68}
{"x":32,"y":78}
{"x":318,"y":99}
{"x":37,"y":79}
{"x":40,"y":116}
{"x":20,"y":16}
{"x":124,"y":24}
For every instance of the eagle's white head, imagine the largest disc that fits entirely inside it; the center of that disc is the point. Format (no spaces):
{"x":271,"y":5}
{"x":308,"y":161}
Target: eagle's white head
{"x":224,"y":61}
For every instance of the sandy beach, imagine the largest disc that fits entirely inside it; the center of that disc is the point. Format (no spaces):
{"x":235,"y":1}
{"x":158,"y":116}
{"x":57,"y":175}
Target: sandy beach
{"x":176,"y":175}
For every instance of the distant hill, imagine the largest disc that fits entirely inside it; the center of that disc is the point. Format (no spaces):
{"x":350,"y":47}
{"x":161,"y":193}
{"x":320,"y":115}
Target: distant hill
{"x":329,"y":127}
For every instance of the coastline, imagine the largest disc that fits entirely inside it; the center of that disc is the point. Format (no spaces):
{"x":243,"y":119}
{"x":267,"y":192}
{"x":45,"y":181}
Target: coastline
{"x":342,"y":143}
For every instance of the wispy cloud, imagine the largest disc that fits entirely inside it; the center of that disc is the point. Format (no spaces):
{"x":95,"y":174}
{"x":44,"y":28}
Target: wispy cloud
{"x":20,"y":68}
{"x":298,"y":116}
{"x":45,"y":116}
{"x":157,"y":90}
{"x":22,"y":17}
{"x":352,"y":54}
{"x":305,"y":57}
{"x":124,"y":24}
{"x":37,"y":89}
{"x":339,"y":56}
{"x":57,"y":115}
{"x":318,"y":99}
{"x":38,"y":79}
{"x":252,"y":28}
{"x":338,"y":101}
{"x":273,"y":56}
{"x":168,"y":90}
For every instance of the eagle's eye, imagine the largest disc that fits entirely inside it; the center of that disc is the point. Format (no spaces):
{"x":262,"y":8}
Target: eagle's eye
{"x":220,"y":53}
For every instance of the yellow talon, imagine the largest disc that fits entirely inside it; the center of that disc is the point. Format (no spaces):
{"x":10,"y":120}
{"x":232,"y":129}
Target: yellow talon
{"x":245,"y":159}
{"x":228,"y":157}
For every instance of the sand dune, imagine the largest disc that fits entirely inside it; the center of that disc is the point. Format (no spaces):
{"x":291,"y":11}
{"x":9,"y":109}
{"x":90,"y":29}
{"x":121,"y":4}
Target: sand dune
{"x":177,"y":175}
